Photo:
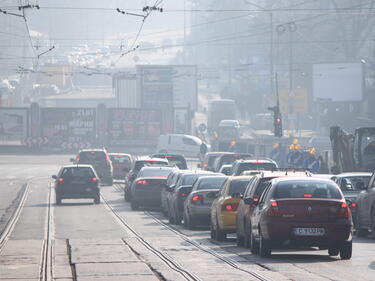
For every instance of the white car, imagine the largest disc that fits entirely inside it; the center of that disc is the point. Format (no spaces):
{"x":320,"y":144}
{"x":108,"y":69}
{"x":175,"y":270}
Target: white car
{"x":186,"y":145}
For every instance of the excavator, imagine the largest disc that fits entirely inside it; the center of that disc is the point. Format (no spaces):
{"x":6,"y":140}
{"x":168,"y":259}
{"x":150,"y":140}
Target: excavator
{"x":353,"y":152}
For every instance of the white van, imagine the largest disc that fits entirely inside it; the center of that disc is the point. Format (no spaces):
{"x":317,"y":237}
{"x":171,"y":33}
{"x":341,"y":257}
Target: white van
{"x":189,"y":146}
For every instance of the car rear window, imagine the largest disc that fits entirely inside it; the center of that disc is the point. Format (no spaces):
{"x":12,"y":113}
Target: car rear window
{"x":155,"y":173}
{"x":212,"y":183}
{"x":190,"y":179}
{"x":255,"y":166}
{"x":121,"y":159}
{"x":91,"y":156}
{"x":82,"y":172}
{"x":149,"y":163}
{"x":306,"y":189}
{"x":238,"y":186}
{"x":230,"y":158}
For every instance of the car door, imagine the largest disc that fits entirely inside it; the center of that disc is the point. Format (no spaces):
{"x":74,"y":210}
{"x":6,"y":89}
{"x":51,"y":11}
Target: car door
{"x":217,"y":203}
{"x":367,"y":199}
{"x":258,"y":211}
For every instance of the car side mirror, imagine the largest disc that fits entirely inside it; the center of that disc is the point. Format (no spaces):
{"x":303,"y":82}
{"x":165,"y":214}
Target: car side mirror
{"x":237,"y":195}
{"x":54,"y":177}
{"x":72,"y":160}
{"x":250,"y":201}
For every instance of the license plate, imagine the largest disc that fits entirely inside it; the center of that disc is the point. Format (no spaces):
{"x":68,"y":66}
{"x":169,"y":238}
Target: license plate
{"x":77,"y":182}
{"x":311,"y":231}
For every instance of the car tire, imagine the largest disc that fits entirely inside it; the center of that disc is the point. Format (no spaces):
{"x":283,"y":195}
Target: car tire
{"x":254,"y":247}
{"x":239,"y":240}
{"x":333,"y":251}
{"x":171,"y":217}
{"x":191,"y":223}
{"x":177,"y":220}
{"x":127,"y":196}
{"x":184,"y":219}
{"x":373,"y":220}
{"x":346,"y":250}
{"x":97,"y":199}
{"x":58,"y":200}
{"x":220,"y":234}
{"x":134,"y":205}
{"x":212,"y":232}
{"x":247,"y":242}
{"x":264,"y":247}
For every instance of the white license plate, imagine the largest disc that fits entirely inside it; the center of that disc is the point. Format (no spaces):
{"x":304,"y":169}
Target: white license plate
{"x":310,"y":231}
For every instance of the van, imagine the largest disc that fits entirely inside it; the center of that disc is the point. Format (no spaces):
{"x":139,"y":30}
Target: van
{"x":186,"y":145}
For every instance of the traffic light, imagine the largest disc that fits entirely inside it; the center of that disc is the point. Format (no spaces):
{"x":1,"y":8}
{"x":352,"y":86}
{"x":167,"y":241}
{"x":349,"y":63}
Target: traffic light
{"x":277,"y":121}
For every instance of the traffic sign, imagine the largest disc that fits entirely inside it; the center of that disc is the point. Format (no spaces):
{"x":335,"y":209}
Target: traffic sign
{"x":202,"y":127}
{"x":295,"y":101}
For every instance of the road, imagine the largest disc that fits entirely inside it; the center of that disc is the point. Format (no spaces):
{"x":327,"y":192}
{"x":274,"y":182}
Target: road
{"x":83,"y":241}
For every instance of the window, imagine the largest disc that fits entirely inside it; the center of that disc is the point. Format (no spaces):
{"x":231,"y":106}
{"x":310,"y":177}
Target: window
{"x":238,"y":186}
{"x":122,"y":159}
{"x":82,"y":172}
{"x":211,"y":183}
{"x":92,"y":156}
{"x":265,"y":193}
{"x":189,"y":141}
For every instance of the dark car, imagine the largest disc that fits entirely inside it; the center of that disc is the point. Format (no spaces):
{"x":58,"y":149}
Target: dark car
{"x":76,"y":182}
{"x":351,"y":184}
{"x":136,"y":167}
{"x":121,"y":163}
{"x":365,"y":220}
{"x":229,"y":158}
{"x":99,"y":159}
{"x":179,"y":192}
{"x":302,"y":212}
{"x":259,"y":164}
{"x":146,"y":189}
{"x":209,"y":160}
{"x":254,"y":190}
{"x":197,"y":206}
{"x":173,"y":159}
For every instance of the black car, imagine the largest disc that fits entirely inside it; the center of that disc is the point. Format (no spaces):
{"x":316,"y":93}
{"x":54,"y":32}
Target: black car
{"x":146,"y":189}
{"x":75,"y":182}
{"x":99,"y":159}
{"x":136,"y":167}
{"x":173,"y":159}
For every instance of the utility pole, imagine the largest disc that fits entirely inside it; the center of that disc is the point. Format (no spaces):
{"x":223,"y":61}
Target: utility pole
{"x":184,"y":54}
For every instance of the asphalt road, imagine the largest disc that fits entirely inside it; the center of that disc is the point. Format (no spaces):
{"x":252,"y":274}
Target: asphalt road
{"x":83,"y":241}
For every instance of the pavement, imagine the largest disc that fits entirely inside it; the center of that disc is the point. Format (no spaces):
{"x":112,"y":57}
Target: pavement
{"x":82,"y":241}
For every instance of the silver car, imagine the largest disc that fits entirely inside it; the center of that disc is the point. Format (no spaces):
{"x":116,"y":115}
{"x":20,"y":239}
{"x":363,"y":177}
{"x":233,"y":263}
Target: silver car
{"x":197,"y":206}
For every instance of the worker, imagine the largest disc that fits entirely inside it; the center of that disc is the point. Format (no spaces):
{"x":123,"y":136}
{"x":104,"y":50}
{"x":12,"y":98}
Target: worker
{"x":312,"y":163}
{"x":289,"y":156}
{"x":232,"y":146}
{"x":276,"y":154}
{"x":297,"y":158}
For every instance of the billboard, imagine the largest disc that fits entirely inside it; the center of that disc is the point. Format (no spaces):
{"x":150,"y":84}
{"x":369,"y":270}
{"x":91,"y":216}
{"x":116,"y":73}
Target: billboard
{"x":68,"y":128}
{"x":13,"y":126}
{"x":128,"y":126}
{"x":338,"y":82}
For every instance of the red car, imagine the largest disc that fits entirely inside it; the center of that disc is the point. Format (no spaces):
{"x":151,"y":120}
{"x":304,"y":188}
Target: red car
{"x":121,"y":163}
{"x":297,"y":212}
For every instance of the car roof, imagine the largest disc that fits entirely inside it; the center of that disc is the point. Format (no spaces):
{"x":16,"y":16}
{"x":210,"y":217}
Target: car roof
{"x":226,"y":166}
{"x":354,"y":174}
{"x":256,"y":161}
{"x":233,"y":178}
{"x":119,"y":154}
{"x":273,"y":174}
{"x":166,"y":155}
{"x":158,"y":168}
{"x":94,"y":149}
{"x":309,"y":179}
{"x":146,"y":158}
{"x":78,"y":166}
{"x":215,"y":176}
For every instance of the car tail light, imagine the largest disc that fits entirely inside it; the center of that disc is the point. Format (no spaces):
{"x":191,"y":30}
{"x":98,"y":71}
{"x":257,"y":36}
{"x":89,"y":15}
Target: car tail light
{"x":94,"y":179}
{"x":344,"y":211}
{"x":61,"y":180}
{"x":184,"y":194}
{"x":78,"y":158}
{"x":255,"y":198}
{"x":274,"y":211}
{"x":142,"y":182}
{"x":307,"y":195}
{"x":353,"y":205}
{"x":196,"y":198}
{"x":230,"y":207}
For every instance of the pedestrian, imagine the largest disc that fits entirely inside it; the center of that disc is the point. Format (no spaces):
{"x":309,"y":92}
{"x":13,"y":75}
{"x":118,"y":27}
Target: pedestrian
{"x":312,"y":163}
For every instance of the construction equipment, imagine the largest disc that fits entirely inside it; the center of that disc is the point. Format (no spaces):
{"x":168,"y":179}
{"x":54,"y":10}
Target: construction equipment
{"x":353,"y":152}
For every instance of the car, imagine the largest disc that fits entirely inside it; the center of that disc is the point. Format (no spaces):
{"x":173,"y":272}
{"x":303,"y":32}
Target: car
{"x":187,"y":145}
{"x":209,"y":160}
{"x":173,"y":159}
{"x":137,"y":165}
{"x":197,"y":206}
{"x":254,"y":190}
{"x":99,"y":159}
{"x":365,"y":216}
{"x":178,"y":193}
{"x":76,"y":182}
{"x":254,"y":164}
{"x":224,"y":207}
{"x":226,"y":170}
{"x":301,"y":212}
{"x":121,"y":163}
{"x":229,"y":158}
{"x":351,"y":184}
{"x":146,"y":188}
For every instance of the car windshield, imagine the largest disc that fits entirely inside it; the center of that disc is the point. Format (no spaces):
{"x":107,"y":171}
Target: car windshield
{"x":306,"y":189}
{"x":255,"y":166}
{"x":149,"y":163}
{"x":211,"y":183}
{"x":92,"y":156}
{"x":121,"y":159}
{"x":81,"y":172}
{"x":163,"y":173}
{"x":354,"y":183}
{"x":238,"y":186}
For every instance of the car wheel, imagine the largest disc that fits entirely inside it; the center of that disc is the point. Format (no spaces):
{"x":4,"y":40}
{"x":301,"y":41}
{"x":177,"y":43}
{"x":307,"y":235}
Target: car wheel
{"x":220,"y":235}
{"x":247,"y":242}
{"x":184,"y":218}
{"x":97,"y":199}
{"x":212,"y":232}
{"x":58,"y":200}
{"x":134,"y":206}
{"x":346,"y":250}
{"x":333,"y":251}
{"x":239,"y":240}
{"x":254,"y":247}
{"x":264,"y":247}
{"x":127,"y":196}
{"x":171,"y":217}
{"x":373,"y":220}
{"x":177,"y":220}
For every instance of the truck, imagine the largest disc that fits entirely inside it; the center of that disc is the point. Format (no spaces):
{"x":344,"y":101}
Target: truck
{"x":353,"y":152}
{"x":220,"y":109}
